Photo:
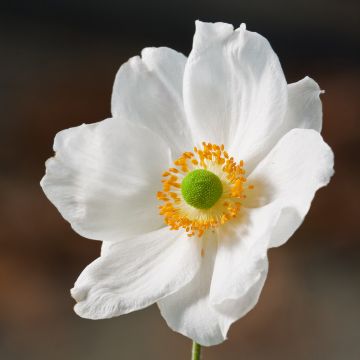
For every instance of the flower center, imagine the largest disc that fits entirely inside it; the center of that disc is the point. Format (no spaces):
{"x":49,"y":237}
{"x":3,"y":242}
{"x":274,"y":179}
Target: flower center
{"x":201,"y":189}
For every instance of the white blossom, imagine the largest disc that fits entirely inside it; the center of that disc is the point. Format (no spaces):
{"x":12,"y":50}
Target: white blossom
{"x":196,"y":247}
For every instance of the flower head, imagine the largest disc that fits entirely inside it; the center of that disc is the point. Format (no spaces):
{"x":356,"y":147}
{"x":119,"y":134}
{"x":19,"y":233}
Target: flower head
{"x":207,"y":162}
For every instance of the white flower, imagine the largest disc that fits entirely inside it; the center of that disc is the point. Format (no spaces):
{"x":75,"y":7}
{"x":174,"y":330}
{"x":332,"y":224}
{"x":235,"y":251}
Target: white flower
{"x":203,"y":259}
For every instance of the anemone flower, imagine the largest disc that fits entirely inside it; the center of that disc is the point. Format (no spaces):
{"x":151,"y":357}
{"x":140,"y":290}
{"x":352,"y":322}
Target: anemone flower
{"x":207,"y":162}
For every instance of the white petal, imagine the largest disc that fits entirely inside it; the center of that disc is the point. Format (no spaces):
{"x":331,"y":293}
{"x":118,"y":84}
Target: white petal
{"x":235,"y":91}
{"x":241,"y":258}
{"x":188,"y":311}
{"x":191,"y":312}
{"x":298,"y":165}
{"x":136,"y":272}
{"x":286,"y":181}
{"x":104,"y":178}
{"x":235,"y":308}
{"x":148,"y":91}
{"x":304,"y":106}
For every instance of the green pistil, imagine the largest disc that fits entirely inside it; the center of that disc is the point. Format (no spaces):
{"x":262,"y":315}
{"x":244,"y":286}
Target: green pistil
{"x":201,"y":189}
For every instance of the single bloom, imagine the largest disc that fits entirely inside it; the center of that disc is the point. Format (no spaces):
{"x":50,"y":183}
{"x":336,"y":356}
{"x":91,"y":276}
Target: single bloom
{"x":207,"y":162}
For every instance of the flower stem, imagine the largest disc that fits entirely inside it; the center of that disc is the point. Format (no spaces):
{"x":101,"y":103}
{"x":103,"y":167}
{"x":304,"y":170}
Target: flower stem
{"x":196,"y":351}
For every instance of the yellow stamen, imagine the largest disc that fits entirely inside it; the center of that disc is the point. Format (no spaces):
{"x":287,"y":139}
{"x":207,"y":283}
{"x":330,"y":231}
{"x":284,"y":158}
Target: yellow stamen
{"x":178,"y":214}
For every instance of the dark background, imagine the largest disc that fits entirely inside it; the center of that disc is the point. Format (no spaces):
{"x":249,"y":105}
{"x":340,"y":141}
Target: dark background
{"x":58,"y":60}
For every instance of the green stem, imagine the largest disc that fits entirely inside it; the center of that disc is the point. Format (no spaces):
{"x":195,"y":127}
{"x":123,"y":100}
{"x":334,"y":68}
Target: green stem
{"x":196,"y":351}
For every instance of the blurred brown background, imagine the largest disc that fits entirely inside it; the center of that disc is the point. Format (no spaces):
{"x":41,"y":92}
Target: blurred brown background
{"x":58,"y":60}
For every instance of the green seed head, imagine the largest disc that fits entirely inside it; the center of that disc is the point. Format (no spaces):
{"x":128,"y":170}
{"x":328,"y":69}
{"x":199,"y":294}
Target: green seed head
{"x":201,"y":189}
